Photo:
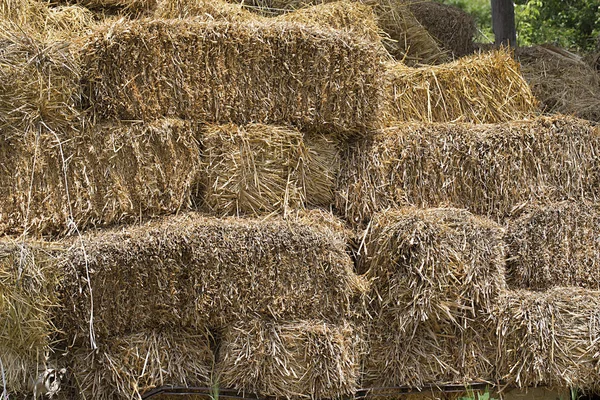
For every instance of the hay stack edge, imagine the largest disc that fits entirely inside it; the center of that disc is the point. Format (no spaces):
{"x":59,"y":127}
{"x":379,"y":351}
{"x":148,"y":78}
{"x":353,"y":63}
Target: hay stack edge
{"x":293,"y":199}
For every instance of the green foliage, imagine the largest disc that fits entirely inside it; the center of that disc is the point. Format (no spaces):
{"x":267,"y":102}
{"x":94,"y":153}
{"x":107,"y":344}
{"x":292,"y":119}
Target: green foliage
{"x":471,"y":395}
{"x":573,"y":24}
{"x":567,"y":23}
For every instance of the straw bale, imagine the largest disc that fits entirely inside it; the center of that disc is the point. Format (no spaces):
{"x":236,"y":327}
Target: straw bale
{"x":304,"y":359}
{"x":562,"y":81}
{"x":206,"y":9}
{"x":126,"y":367}
{"x":39,"y":82}
{"x":483,"y":88}
{"x":433,"y":263}
{"x":131,"y":7}
{"x":53,"y":183}
{"x":404,"y":36}
{"x":487,"y":169}
{"x":257,"y":168}
{"x":549,"y":338}
{"x":264,"y":71}
{"x":451,"y":26}
{"x":27,"y":300}
{"x":192,"y":270}
{"x":430,"y":353}
{"x":555,"y":245}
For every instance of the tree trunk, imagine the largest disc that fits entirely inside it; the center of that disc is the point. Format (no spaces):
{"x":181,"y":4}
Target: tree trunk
{"x":503,"y":22}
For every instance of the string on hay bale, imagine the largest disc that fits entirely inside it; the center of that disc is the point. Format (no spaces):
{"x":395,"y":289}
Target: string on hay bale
{"x":555,"y":245}
{"x":193,"y":270}
{"x":257,"y":169}
{"x":451,"y":26}
{"x":561,"y":80}
{"x":488,"y":169}
{"x":127,"y":366}
{"x":39,"y":83}
{"x":265,"y":71}
{"x":27,"y":301}
{"x":436,"y":274}
{"x":484,"y":88}
{"x":549,"y":338}
{"x":53,"y":182}
{"x":305,"y":359}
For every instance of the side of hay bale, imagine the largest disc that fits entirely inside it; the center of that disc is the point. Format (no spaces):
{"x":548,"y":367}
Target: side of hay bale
{"x":434,"y":263}
{"x":436,"y":275}
{"x":53,"y":182}
{"x":483,"y":88}
{"x":488,"y":169}
{"x":555,"y":245}
{"x":265,"y":71}
{"x":549,"y":338}
{"x":451,"y":26}
{"x":27,"y":301}
{"x":257,"y":169}
{"x":193,"y":270}
{"x":304,"y":359}
{"x":39,"y":82}
{"x":126,"y":367}
{"x":562,"y":81}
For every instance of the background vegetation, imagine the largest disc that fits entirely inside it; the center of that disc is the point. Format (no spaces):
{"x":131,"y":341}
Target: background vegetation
{"x":572,"y":24}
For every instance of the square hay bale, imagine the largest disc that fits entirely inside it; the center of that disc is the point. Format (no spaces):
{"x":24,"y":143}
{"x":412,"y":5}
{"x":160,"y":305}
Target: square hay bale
{"x":483,"y":88}
{"x":304,"y":359}
{"x":433,"y":264}
{"x":54,"y":182}
{"x":549,"y":338}
{"x":451,"y":26}
{"x":39,"y":82}
{"x":28,"y":299}
{"x":561,"y":80}
{"x":404,"y":37}
{"x":127,"y":366}
{"x":257,"y":169}
{"x":431,"y":353}
{"x":264,"y":71}
{"x":193,"y":270}
{"x":487,"y":169}
{"x":555,"y":245}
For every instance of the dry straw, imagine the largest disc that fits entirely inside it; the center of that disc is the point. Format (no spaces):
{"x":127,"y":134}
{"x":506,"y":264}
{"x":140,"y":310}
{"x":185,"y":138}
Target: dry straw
{"x":305,"y":359}
{"x":485,"y":88}
{"x":562,"y":81}
{"x":436,"y":275}
{"x":192,"y":270}
{"x":203,"y":9}
{"x":487,"y":169}
{"x":555,"y":245}
{"x":52,"y":182}
{"x":549,"y":338}
{"x":258,"y":169}
{"x":404,"y":37}
{"x":264,"y":71}
{"x":451,"y":26}
{"x":125,"y":367}
{"x":27,"y":301}
{"x":130,"y":7}
{"x":39,"y":82}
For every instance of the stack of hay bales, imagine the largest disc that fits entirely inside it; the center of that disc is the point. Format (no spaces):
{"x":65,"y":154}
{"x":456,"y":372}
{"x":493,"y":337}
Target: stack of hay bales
{"x":436,"y":275}
{"x":562,"y":81}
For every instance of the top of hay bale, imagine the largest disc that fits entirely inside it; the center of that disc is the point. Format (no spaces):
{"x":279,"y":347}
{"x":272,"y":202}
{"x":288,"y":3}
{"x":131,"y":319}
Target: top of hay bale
{"x":561,"y":80}
{"x":207,"y":9}
{"x":264,"y":71}
{"x":451,"y":26}
{"x":483,"y":88}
